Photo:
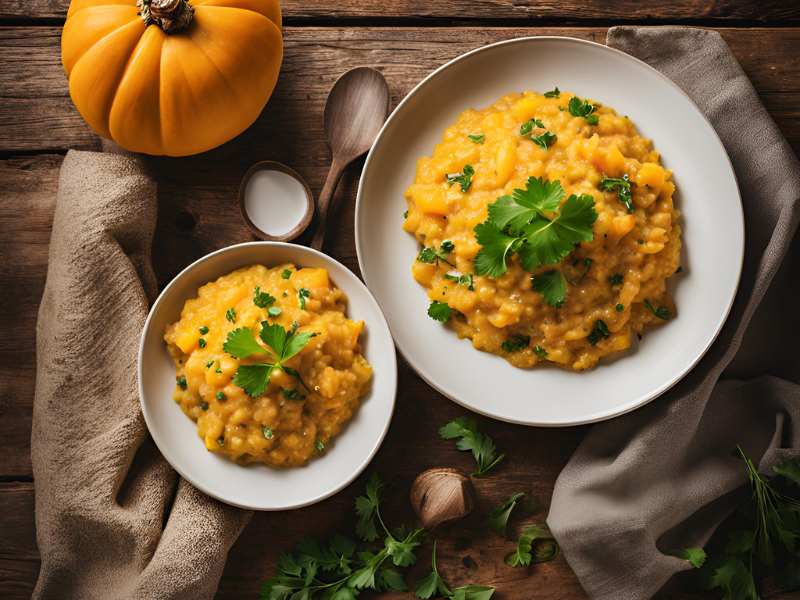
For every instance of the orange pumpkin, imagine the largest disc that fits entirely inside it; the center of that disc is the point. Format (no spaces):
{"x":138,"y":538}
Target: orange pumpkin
{"x":172,"y":77}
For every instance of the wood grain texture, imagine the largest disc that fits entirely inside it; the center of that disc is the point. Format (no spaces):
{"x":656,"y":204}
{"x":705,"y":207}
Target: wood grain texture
{"x":492,"y":10}
{"x":198,"y":213}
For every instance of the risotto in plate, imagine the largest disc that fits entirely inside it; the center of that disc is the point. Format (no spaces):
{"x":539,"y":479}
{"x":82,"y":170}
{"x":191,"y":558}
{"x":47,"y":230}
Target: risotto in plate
{"x":547,"y":230}
{"x":268,"y":364}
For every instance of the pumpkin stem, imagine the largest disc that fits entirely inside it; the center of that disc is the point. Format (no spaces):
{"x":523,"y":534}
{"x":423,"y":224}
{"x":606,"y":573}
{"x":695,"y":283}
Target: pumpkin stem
{"x":171,"y":15}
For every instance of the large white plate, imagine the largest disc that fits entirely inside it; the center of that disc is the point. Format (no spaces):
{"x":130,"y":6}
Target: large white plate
{"x":708,"y":197}
{"x":257,"y":486}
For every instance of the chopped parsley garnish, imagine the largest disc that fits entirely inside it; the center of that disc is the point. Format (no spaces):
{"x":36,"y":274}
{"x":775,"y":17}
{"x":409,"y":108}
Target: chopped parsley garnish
{"x":619,"y":307}
{"x":267,"y":433}
{"x":201,"y":342}
{"x":221,"y":396}
{"x":302,"y":294}
{"x":552,"y":285}
{"x":209,"y":363}
{"x":221,"y":440}
{"x":540,"y":351}
{"x":599,"y":332}
{"x":516,"y":342}
{"x":430,"y":254}
{"x":616,"y":279}
{"x":531,"y":224}
{"x":498,"y":518}
{"x":662,"y":312}
{"x":281,"y":346}
{"x":477,"y":138}
{"x":262,"y":299}
{"x":230,"y":315}
{"x":405,"y":214}
{"x":319,"y":445}
{"x":621,"y":185}
{"x":465,"y":280}
{"x":582,"y":108}
{"x":544,"y":140}
{"x":535,"y":545}
{"x":470,"y":439}
{"x":204,"y":405}
{"x":286,"y":273}
{"x":203,"y":330}
{"x":440,"y":311}
{"x":292,"y":394}
{"x":464,"y":179}
{"x":274,"y":311}
{"x":554,"y":93}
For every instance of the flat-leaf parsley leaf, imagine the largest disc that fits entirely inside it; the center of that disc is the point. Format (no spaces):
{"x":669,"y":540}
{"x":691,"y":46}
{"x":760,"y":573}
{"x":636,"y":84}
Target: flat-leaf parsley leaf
{"x":583,"y":108}
{"x":470,"y":439}
{"x":621,"y":185}
{"x":464,"y":179}
{"x":498,"y":518}
{"x":552,"y":285}
{"x":440,"y":311}
{"x":262,"y":299}
{"x":535,"y":545}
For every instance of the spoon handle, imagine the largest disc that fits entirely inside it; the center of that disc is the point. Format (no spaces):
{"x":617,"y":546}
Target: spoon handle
{"x":324,"y":202}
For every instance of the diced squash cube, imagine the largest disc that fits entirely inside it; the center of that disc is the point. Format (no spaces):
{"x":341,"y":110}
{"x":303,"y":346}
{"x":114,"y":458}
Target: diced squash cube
{"x":430,"y":199}
{"x":651,"y":174}
{"x":505,"y":160}
{"x":186,"y":341}
{"x":311,"y":278}
{"x":588,"y":148}
{"x":614,"y":162}
{"x":622,"y":225}
{"x":526,"y":108}
{"x":423,"y":272}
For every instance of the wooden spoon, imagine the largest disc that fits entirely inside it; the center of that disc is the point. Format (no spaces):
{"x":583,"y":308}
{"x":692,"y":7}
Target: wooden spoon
{"x":354,"y":114}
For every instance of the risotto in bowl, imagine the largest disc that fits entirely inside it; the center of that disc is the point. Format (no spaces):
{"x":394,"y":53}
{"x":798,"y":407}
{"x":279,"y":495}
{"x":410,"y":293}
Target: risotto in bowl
{"x":267,"y":375}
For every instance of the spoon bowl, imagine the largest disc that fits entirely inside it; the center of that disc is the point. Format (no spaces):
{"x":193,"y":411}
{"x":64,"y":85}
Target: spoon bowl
{"x":354,"y":114}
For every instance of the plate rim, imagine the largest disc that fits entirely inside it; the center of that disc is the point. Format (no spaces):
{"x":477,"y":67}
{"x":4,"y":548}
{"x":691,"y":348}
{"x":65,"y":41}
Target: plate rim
{"x":393,"y":373}
{"x":644,"y":398}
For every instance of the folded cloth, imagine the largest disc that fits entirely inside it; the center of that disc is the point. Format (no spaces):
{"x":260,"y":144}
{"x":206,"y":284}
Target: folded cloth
{"x":662,"y":478}
{"x":113,"y":520}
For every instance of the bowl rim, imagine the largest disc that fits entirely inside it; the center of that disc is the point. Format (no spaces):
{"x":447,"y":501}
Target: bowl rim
{"x":391,"y":385}
{"x":598,"y":416}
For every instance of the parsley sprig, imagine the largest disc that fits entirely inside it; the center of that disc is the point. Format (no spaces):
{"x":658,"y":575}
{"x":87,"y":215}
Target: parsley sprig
{"x":535,"y":545}
{"x":544,"y":139}
{"x":281,"y":346}
{"x":660,"y":312}
{"x":583,"y":108}
{"x":470,"y":439}
{"x":433,"y":586}
{"x":621,"y":185}
{"x":531,"y":224}
{"x":430,"y":254}
{"x":440,"y":311}
{"x":552,"y":285}
{"x":461,"y":279}
{"x":463,"y":179}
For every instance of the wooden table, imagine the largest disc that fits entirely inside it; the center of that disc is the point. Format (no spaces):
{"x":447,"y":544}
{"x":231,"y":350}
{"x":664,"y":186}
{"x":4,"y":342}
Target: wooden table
{"x":405,"y":39}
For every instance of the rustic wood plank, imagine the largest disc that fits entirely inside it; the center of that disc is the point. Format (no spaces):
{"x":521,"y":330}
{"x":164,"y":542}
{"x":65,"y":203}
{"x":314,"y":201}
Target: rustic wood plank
{"x":36,"y":113}
{"x":492,"y":10}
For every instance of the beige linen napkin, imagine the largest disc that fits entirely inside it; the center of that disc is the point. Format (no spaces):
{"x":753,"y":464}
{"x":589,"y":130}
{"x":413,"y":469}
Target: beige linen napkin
{"x":113,"y":521}
{"x":661,"y":478}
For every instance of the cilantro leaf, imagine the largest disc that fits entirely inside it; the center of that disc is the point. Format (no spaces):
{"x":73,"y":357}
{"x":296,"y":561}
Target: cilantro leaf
{"x":430,"y":255}
{"x":241,"y":343}
{"x":402,"y":551}
{"x":516,"y":343}
{"x":390,"y":580}
{"x":473,"y":592}
{"x":464,"y":179}
{"x":440,"y":311}
{"x":583,"y":108}
{"x":552,"y":285}
{"x":548,"y":242}
{"x":498,"y":518}
{"x":735,"y":580}
{"x":230,"y":315}
{"x":302,"y":294}
{"x":535,"y":545}
{"x":465,"y":280}
{"x":554,"y":93}
{"x":661,"y":312}
{"x":262,"y":299}
{"x":540,"y":351}
{"x":495,"y":248}
{"x":544,"y":140}
{"x":367,"y":510}
{"x":470,"y":439}
{"x":477,"y":138}
{"x":695,"y":556}
{"x":517,"y":210}
{"x":433,"y":582}
{"x":621,"y":185}
{"x":253,"y":379}
{"x":599,"y":332}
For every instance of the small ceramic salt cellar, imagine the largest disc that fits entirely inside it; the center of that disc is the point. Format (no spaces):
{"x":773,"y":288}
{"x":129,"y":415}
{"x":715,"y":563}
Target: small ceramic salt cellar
{"x":275,"y":201}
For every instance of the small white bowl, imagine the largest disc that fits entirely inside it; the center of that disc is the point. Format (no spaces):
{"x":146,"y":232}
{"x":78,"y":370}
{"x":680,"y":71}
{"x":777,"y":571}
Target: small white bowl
{"x":260,"y":487}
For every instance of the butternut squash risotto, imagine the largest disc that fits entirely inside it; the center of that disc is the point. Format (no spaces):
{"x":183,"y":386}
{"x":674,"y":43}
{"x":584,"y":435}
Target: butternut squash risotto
{"x":268,"y":365}
{"x":547,"y":230}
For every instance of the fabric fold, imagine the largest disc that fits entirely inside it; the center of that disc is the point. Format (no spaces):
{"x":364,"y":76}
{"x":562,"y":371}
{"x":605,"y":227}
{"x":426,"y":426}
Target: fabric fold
{"x":113,"y":520}
{"x":662,"y":478}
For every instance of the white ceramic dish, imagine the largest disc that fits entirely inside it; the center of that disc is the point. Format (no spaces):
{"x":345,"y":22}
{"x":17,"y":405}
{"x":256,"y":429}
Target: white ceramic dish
{"x":261,"y":487}
{"x":708,"y":197}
